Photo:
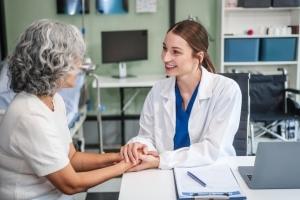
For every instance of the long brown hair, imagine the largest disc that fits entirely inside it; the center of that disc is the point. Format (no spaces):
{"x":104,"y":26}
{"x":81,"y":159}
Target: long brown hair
{"x":197,"y":37}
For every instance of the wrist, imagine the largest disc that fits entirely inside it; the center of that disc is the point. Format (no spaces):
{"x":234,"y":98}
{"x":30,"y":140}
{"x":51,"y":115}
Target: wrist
{"x":124,"y":166}
{"x":157,"y":161}
{"x":114,"y":157}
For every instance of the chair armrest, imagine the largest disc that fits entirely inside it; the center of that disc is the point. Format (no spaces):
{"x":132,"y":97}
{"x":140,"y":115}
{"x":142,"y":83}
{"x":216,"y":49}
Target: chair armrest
{"x":295,"y":91}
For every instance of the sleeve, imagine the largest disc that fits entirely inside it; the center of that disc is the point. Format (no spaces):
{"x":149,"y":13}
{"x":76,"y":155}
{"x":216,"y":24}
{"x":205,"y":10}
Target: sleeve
{"x":40,"y":144}
{"x":146,"y":131}
{"x":62,"y":106}
{"x":61,"y":103}
{"x":218,"y":135}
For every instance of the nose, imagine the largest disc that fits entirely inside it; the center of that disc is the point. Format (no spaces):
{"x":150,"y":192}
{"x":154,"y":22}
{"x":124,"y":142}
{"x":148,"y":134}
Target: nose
{"x":166,"y":56}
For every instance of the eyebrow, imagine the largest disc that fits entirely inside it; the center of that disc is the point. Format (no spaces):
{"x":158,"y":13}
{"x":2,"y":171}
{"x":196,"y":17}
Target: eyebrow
{"x":176,"y":48}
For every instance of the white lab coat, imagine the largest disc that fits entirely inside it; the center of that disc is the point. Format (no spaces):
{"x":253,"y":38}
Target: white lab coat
{"x":213,"y":121}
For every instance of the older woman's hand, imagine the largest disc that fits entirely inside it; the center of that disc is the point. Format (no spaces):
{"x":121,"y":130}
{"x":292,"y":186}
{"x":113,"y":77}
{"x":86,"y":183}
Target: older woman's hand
{"x":132,"y":152}
{"x":148,"y":161}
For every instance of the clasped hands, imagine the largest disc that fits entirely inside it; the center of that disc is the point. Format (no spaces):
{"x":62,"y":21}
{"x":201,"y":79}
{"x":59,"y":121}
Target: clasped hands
{"x":138,"y":154}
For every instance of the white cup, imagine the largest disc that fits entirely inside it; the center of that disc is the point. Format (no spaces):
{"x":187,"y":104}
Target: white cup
{"x":288,"y":30}
{"x":277,"y":31}
{"x":271,"y":30}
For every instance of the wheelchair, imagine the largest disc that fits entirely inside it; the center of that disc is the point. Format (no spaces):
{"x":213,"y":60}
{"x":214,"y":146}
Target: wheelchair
{"x":273,"y":110}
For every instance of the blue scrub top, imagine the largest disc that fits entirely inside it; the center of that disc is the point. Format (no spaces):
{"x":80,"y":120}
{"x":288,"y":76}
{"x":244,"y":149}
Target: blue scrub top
{"x":182,"y":138}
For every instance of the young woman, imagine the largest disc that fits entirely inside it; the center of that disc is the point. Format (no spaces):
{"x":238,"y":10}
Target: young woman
{"x":37,"y":157}
{"x":191,"y":118}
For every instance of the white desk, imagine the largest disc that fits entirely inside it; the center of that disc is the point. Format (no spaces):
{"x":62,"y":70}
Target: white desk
{"x":121,"y":83}
{"x":159,"y":184}
{"x":131,"y":82}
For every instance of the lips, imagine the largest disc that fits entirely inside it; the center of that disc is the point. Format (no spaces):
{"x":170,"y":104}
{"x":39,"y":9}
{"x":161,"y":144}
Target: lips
{"x":169,"y":66}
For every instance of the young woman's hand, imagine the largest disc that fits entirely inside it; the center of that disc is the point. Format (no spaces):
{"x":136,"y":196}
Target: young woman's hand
{"x":146,"y":162}
{"x":130,"y":152}
{"x":126,"y":165}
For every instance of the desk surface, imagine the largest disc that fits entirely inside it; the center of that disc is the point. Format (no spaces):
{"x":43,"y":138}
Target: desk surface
{"x":159,"y":184}
{"x":136,"y":81}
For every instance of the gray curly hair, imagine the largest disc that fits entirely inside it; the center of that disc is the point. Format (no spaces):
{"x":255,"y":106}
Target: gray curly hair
{"x":44,"y":54}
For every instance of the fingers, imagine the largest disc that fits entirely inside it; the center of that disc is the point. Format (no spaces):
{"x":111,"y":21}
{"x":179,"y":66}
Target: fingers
{"x":145,"y":162}
{"x":135,"y":149}
{"x":138,"y":167}
{"x":125,"y":153}
{"x":122,"y":152}
{"x":153,"y":153}
{"x":134,"y":169}
{"x":145,"y":149}
{"x":130,"y":152}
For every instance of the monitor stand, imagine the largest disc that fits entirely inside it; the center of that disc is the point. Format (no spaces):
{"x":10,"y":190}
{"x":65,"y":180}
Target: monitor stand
{"x":122,"y":71}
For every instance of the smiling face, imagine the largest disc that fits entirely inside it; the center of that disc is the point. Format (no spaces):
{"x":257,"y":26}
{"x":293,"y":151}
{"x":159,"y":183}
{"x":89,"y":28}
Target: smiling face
{"x":178,"y":57}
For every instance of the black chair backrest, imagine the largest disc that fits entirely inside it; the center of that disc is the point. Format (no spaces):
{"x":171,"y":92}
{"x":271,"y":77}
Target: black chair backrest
{"x":267,"y":94}
{"x":1,"y":65}
{"x":240,"y":139}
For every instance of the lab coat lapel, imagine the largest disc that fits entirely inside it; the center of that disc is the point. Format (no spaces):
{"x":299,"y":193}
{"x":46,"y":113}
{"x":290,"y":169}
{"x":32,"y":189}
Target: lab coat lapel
{"x":206,"y":85}
{"x":200,"y":109}
{"x":168,"y":99}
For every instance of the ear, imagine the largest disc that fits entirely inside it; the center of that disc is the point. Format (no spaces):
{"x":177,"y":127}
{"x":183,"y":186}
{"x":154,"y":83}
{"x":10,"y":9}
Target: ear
{"x":200,"y":56}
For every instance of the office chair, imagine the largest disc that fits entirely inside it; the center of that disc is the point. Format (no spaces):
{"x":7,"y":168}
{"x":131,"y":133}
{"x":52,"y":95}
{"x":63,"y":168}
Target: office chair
{"x":240,"y":141}
{"x":272,"y":110}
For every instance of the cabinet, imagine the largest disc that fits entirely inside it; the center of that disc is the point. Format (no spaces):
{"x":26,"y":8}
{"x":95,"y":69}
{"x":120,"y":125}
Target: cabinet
{"x":236,"y":21}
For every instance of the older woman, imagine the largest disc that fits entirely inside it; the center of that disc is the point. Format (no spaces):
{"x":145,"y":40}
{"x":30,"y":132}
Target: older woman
{"x":37,"y":157}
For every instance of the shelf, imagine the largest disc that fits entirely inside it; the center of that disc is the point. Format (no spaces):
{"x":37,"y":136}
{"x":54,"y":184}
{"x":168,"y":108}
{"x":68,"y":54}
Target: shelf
{"x":235,"y":21}
{"x":270,"y":9}
{"x":262,"y":36}
{"x":261,"y":63}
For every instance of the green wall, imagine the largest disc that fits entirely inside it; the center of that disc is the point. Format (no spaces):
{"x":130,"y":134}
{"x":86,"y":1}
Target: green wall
{"x":20,"y":13}
{"x":207,"y":14}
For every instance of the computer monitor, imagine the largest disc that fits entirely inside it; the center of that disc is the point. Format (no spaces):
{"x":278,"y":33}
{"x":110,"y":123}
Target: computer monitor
{"x":72,"y":7}
{"x":123,"y":46}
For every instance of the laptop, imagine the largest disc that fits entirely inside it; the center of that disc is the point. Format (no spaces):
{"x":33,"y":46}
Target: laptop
{"x":277,"y":166}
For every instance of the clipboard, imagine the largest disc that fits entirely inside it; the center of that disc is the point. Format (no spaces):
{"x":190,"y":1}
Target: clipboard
{"x":219,"y":179}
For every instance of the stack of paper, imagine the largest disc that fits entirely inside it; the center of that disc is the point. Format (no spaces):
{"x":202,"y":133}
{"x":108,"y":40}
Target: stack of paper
{"x":219,"y":183}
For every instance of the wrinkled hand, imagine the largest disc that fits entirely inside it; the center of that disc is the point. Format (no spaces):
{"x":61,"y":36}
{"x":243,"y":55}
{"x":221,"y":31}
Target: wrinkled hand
{"x":131,"y":152}
{"x":146,"y":161}
{"x":125,"y":166}
{"x":138,"y":154}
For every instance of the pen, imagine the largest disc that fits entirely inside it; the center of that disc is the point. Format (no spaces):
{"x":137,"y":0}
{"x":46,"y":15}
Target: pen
{"x":195,"y":178}
{"x":206,"y":195}
{"x":229,"y":194}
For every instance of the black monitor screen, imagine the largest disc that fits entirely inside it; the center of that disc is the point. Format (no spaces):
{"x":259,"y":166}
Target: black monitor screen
{"x":121,"y":46}
{"x":72,"y":7}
